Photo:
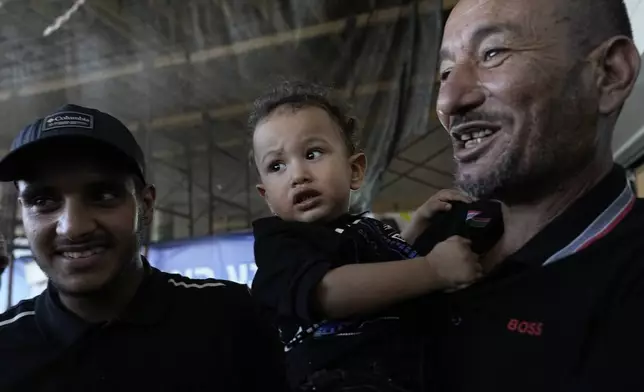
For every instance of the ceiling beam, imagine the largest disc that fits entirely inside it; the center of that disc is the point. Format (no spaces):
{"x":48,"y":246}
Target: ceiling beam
{"x":380,"y":16}
{"x":417,"y":180}
{"x":194,"y":119}
{"x":426,"y":166}
{"x":414,"y":167}
{"x":108,"y":13}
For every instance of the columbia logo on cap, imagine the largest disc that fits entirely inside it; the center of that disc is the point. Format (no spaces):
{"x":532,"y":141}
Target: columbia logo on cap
{"x":68,"y":120}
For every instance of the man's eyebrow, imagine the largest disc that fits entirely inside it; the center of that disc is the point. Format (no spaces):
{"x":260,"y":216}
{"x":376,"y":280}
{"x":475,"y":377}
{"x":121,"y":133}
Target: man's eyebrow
{"x":31,"y":190}
{"x":115,"y":182}
{"x":479,"y":35}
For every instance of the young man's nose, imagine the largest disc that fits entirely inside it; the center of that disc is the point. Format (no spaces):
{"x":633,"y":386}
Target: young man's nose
{"x":75,"y":220}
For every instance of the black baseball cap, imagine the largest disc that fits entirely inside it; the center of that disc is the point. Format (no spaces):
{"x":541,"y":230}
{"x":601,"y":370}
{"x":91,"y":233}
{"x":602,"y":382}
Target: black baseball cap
{"x":73,"y":123}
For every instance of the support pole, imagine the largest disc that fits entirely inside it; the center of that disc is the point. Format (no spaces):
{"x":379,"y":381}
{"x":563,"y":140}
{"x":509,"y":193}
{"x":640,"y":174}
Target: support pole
{"x":190,"y":175}
{"x":211,"y":197}
{"x":249,"y":164}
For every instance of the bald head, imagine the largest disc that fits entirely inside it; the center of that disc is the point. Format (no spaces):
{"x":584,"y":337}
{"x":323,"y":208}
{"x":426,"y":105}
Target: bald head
{"x":588,"y":23}
{"x":592,"y":22}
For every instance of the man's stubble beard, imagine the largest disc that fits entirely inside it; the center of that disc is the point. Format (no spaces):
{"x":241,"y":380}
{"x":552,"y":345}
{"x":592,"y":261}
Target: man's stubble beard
{"x":526,"y":173}
{"x":126,"y":266}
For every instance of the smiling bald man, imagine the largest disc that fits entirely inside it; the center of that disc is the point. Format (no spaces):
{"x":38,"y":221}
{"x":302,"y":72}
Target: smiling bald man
{"x":530,"y":93}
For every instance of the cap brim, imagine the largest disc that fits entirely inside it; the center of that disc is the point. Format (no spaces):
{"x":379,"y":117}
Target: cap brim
{"x":20,"y":161}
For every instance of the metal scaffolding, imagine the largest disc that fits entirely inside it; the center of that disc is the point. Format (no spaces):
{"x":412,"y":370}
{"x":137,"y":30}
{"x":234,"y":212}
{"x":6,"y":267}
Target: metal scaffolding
{"x":196,"y":214}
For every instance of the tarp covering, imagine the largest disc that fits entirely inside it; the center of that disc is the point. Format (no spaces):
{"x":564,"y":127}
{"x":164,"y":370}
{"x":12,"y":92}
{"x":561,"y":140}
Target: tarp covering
{"x":182,"y":73}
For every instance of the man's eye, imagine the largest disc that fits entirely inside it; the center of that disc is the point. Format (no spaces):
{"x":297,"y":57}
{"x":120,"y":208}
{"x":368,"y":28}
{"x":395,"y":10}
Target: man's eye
{"x":106,"y":196}
{"x":314,"y":154}
{"x":42,"y":201}
{"x":492,"y":53}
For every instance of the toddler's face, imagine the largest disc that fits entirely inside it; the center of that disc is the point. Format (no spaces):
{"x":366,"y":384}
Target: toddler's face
{"x":306,"y":172}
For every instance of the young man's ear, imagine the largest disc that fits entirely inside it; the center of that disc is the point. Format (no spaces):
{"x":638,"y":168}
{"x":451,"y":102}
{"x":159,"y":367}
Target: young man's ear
{"x":148,"y":197}
{"x":358,"y":169}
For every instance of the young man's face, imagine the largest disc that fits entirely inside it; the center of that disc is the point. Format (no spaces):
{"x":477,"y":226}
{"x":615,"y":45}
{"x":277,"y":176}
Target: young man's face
{"x":305,"y":169}
{"x":83,"y":222}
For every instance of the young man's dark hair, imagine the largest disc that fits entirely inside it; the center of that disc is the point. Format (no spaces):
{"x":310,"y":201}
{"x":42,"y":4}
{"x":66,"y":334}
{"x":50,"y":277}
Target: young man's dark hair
{"x":108,"y":320}
{"x":299,"y":94}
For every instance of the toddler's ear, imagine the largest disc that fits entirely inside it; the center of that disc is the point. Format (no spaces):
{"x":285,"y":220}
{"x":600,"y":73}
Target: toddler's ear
{"x":261,"y":190}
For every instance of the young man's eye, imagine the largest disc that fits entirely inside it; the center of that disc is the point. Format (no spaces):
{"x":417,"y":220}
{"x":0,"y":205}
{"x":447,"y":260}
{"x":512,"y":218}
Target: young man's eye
{"x":41,"y":203}
{"x":106,"y":196}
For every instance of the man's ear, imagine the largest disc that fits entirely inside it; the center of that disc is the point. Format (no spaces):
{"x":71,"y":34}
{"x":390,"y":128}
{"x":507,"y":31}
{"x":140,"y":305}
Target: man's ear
{"x":358,"y":163}
{"x":148,"y":197}
{"x":618,"y":66}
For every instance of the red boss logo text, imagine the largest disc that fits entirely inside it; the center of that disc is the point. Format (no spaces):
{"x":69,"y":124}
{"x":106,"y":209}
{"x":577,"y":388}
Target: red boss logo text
{"x":525,"y":327}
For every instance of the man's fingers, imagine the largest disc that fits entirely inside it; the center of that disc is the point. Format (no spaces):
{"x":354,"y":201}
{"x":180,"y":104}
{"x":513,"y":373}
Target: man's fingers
{"x":453,"y":195}
{"x":459,"y":239}
{"x":459,"y":287}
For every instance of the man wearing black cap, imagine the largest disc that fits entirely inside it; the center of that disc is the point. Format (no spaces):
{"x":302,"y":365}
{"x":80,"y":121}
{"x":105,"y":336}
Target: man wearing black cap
{"x":108,"y":320}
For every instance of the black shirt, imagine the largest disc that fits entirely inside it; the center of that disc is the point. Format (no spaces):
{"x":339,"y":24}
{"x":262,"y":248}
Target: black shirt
{"x":292,"y":258}
{"x":178,"y":334}
{"x":545,"y":320}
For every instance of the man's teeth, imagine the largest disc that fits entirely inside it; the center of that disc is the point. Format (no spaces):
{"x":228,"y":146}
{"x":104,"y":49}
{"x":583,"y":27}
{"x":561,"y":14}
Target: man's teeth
{"x":472,"y":143}
{"x":85,"y":253}
{"x":476,"y":135}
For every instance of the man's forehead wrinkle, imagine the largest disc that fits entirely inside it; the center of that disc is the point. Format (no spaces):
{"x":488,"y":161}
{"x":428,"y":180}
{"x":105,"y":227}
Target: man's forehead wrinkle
{"x":533,"y":23}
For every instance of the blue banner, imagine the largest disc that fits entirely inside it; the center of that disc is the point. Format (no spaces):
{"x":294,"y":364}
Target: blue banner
{"x":20,"y":288}
{"x":228,"y":257}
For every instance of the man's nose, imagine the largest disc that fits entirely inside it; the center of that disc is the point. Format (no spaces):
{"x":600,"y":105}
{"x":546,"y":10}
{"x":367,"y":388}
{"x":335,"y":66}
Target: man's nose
{"x":75,"y":220}
{"x":459,"y":93}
